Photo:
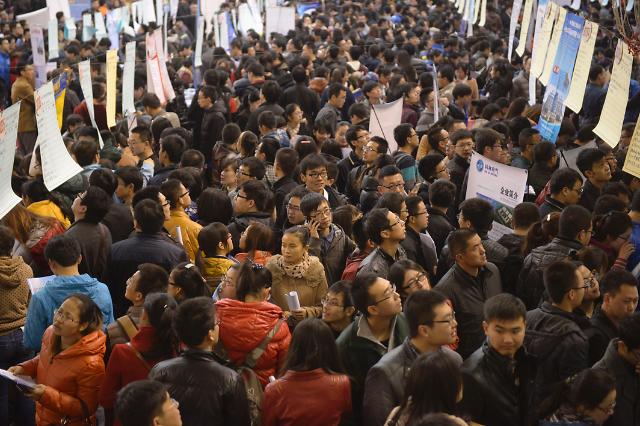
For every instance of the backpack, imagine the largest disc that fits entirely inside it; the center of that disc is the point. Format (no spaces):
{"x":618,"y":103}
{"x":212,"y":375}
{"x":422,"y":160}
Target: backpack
{"x":252,"y":384}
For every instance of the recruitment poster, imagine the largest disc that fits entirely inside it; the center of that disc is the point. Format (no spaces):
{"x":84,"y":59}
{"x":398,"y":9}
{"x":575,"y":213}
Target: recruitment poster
{"x":384,"y":118}
{"x":581,"y":69}
{"x":501,"y":185}
{"x":8,"y":133}
{"x":553,"y":103}
{"x":632,"y":160}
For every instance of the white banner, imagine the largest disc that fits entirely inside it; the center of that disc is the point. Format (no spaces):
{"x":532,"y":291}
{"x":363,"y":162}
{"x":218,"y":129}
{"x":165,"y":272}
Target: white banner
{"x":57,"y":164}
{"x":101,"y":29}
{"x":37,"y":47}
{"x":280,"y":20}
{"x":384,"y":119}
{"x":128,"y":104}
{"x":84,"y":74}
{"x":38,"y":18}
{"x":112,"y":71}
{"x":515,"y":14}
{"x":197,"y":61}
{"x":501,"y":185}
{"x":581,"y":69}
{"x":8,"y":134}
{"x":53,"y":39}
{"x":568,"y":158}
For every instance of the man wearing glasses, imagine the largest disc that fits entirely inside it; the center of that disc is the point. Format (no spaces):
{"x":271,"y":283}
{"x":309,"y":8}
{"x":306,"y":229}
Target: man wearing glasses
{"x":432,"y":327}
{"x":386,"y":230}
{"x":253,"y":203}
{"x":565,"y":186}
{"x":357,"y":137}
{"x":463,"y":144}
{"x":371,"y":152}
{"x":555,"y":337}
{"x":313,"y":174}
{"x":390,"y":180}
{"x":418,"y":244}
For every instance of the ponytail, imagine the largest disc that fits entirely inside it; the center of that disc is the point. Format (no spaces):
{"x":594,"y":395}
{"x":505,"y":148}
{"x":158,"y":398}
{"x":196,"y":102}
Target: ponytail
{"x":160,"y":309}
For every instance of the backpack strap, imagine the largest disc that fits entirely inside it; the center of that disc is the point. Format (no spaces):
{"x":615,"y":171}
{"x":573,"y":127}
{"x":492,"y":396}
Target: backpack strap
{"x":139,"y":355}
{"x":253,"y":356}
{"x":128,"y":326}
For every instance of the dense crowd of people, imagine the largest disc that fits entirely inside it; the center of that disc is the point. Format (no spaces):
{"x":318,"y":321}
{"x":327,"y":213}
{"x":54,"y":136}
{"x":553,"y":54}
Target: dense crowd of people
{"x":249,"y":254}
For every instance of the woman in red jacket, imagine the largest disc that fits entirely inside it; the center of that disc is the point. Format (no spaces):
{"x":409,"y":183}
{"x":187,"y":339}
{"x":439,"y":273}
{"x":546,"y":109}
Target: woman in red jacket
{"x":154,"y":342}
{"x":312,"y":391}
{"x":70,"y":366}
{"x":245,"y":322}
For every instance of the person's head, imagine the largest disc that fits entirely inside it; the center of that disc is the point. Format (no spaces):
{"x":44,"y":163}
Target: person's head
{"x":467,"y":249}
{"x":158,"y":311}
{"x":177,"y":195}
{"x":337,"y":305}
{"x":293,"y":200}
{"x":597,"y":75}
{"x":463,"y":143}
{"x":322,"y":131}
{"x":192,"y":158}
{"x":6,"y":241}
{"x":27,"y":71}
{"x":149,"y":278}
{"x":286,"y":162}
{"x":374,"y":149}
{"x":196,"y":323}
{"x":442,"y":193}
{"x":267,"y":122}
{"x":312,"y":347}
{"x":253,"y":280}
{"x":384,"y":226}
{"x":432,"y":167}
{"x":315,"y":207}
{"x":375,"y":296}
{"x":525,"y":215}
{"x":295,"y":244}
{"x":337,"y":95}
{"x":462,"y":94}
{"x":446,"y":75}
{"x":62,"y":251}
{"x":405,"y":135}
{"x":594,"y":166}
{"x":186,"y":282}
{"x":438,"y":138}
{"x":76,"y":317}
{"x":390,"y":180}
{"x":613,"y":229}
{"x":527,"y":140}
{"x":91,"y":205}
{"x":545,"y":153}
{"x":214,"y":205}
{"x":140,"y":141}
{"x":147,"y":403}
{"x":251,"y":168}
{"x":130,"y":181}
{"x":86,"y":152}
{"x":564,"y":283}
{"x":267,"y":150}
{"x":171,"y":149}
{"x":372,"y":91}
{"x":215,"y":240}
{"x":476,"y":214}
{"x":408,"y":277}
{"x":504,"y":323}
{"x":418,"y":217}
{"x":619,"y":190}
{"x":489,"y":143}
{"x":431,"y":319}
{"x":395,"y":203}
{"x":257,"y":236}
{"x":253,"y":196}
{"x":620,"y":294}
{"x":575,"y":224}
{"x":566,"y":186}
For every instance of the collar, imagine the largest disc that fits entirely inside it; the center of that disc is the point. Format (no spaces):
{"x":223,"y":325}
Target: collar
{"x":354,"y":159}
{"x":461,"y":161}
{"x":483,"y":273}
{"x":325,"y":194}
{"x":365,"y":332}
{"x":553,"y":202}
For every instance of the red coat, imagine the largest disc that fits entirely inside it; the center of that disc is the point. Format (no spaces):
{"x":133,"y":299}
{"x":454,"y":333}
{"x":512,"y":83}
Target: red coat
{"x":244,"y":325}
{"x":306,"y":398}
{"x":73,"y":374}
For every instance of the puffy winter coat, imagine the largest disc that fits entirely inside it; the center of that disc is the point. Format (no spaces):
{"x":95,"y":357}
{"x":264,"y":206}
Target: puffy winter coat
{"x":243,"y":326}
{"x":72,"y":375}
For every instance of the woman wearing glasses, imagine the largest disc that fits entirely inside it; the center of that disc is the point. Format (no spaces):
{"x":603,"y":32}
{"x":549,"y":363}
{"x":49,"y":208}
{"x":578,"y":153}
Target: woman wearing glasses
{"x":179,"y":225}
{"x":70,"y":368}
{"x":611,"y":233}
{"x":250,"y":320}
{"x":408,"y":277}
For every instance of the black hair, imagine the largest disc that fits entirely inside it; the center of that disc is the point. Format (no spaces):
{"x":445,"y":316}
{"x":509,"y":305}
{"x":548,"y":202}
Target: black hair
{"x":6,"y":241}
{"x":153,"y":279}
{"x":173,"y":146}
{"x":252,"y":278}
{"x":442,"y":193}
{"x":312,"y":347}
{"x":192,"y":158}
{"x":271,"y":91}
{"x":97,"y":203}
{"x":85,"y":151}
{"x":486,"y":138}
{"x":267,"y":119}
{"x":269,"y":147}
{"x":312,"y":162}
{"x":428,"y":166}
{"x":402,"y":133}
{"x":170,"y":188}
{"x":504,"y":307}
{"x":256,"y":167}
{"x":335,"y":89}
{"x":302,"y":232}
{"x":376,"y":222}
{"x":616,"y":278}
{"x":256,"y":190}
{"x":311,"y":202}
{"x":139,"y":402}
{"x":342,"y":287}
{"x":149,"y":192}
{"x":63,"y":249}
{"x":587,"y":158}
{"x":187,"y":276}
{"x":389,"y":170}
{"x":194,"y":319}
{"x":559,"y":277}
{"x":459,"y":239}
{"x":130,"y":175}
{"x":287,"y":159}
{"x":214,"y":205}
{"x":573,"y":220}
{"x":543,"y":152}
{"x":360,"y":291}
{"x":525,"y":215}
{"x":106,"y":179}
{"x":563,"y":178}
{"x":419,"y":309}
{"x":143,"y":132}
{"x":149,"y":216}
{"x":607,"y":203}
{"x":160,"y":309}
{"x":392,"y":201}
{"x":629,"y":331}
{"x":478,"y":212}
{"x":612,"y":224}
{"x":211,"y":236}
{"x":459,"y":135}
{"x":90,"y":313}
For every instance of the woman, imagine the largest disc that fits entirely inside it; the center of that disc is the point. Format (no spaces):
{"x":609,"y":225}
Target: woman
{"x":179,"y":225}
{"x":542,"y":232}
{"x":295,"y":271}
{"x":70,"y":367}
{"x":215,"y":245}
{"x":154,"y":342}
{"x":296,"y":123}
{"x":186,"y":282}
{"x":313,"y":390}
{"x":345,"y":216}
{"x":611,"y":233}
{"x":594,"y":265}
{"x":434,"y":386}
{"x":37,"y":198}
{"x":587,"y":400}
{"x":256,"y":243}
{"x":462,"y":76}
{"x":408,"y":277}
{"x":411,"y":106}
{"x":227,"y":287}
{"x":245,"y":322}
{"x":15,"y":294}
{"x":229,"y":177}
{"x":33,"y":232}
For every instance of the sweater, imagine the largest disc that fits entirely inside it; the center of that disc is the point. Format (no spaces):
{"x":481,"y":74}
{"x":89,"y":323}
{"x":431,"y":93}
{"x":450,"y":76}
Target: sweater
{"x":14,"y":293}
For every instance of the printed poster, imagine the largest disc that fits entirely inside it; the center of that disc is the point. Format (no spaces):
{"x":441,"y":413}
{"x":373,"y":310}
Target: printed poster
{"x":515,"y":14}
{"x":553,"y":47}
{"x":8,"y":134}
{"x":112,"y":71}
{"x":524,"y":28}
{"x":84,"y":74}
{"x":632,"y":160}
{"x":501,"y":185}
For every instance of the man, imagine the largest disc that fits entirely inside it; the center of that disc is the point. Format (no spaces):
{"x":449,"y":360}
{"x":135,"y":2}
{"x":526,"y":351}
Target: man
{"x":462,"y":141}
{"x":300,"y":94}
{"x":574,"y":232}
{"x":437,"y":139}
{"x":594,"y":95}
{"x":119,"y":217}
{"x":153,"y":107}
{"x":251,"y":168}
{"x":378,"y":330}
{"x":22,"y":90}
{"x":208,"y":392}
{"x":555,"y":337}
{"x":149,"y":278}
{"x":527,"y":141}
{"x":89,"y":209}
{"x":525,"y":215}
{"x":147,"y":245}
{"x":331,"y":111}
{"x":284,"y":168}
{"x":328,"y":240}
{"x":357,"y":137}
{"x":141,"y":145}
{"x":462,"y":97}
{"x":147,"y":403}
{"x":86,"y":151}
{"x":63,"y":257}
{"x":620,"y":300}
{"x":386,"y":230}
{"x":594,"y":166}
{"x":337,"y":307}
{"x":446,"y":77}
{"x":432,"y":327}
{"x":171,"y":149}
{"x":468,"y":284}
{"x":129,"y":182}
{"x":268,"y":128}
{"x":442,"y":195}
{"x":270,"y":93}
{"x":313,"y":174}
{"x":224,"y":150}
{"x":418,"y":244}
{"x":254,"y":203}
{"x":390,"y":180}
{"x":545,"y":161}
{"x":488,"y":144}
{"x":408,"y":141}
{"x":565,"y":188}
{"x":359,"y":114}
{"x":212,"y":122}
{"x":621,"y":361}
{"x":371,"y":152}
{"x":498,"y":377}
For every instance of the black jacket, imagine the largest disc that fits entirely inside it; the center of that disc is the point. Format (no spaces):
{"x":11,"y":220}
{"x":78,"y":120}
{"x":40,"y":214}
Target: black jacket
{"x":119,"y":220}
{"x":467,"y":295}
{"x":242,"y":221}
{"x":336,"y":199}
{"x":95,"y":244}
{"x":590,"y":194}
{"x":334,"y":254}
{"x":208,"y":392}
{"x":512,"y":242}
{"x":497,"y":389}
{"x":550,"y":205}
{"x":439,"y":228}
{"x":496,"y":254}
{"x":420,"y":253}
{"x":600,"y":334}
{"x":539,"y":175}
{"x":530,"y":286}
{"x":344,"y":168}
{"x":457,"y":170}
{"x":252,"y":124}
{"x":379,"y":262}
{"x":560,"y":346}
{"x":210,"y":132}
{"x":307,"y":99}
{"x":162,"y":174}
{"x":281,"y":188}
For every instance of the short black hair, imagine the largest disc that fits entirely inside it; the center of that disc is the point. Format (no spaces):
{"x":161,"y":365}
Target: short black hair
{"x":587,"y":158}
{"x":543,"y":152}
{"x":311,"y":202}
{"x":504,"y":307}
{"x":358,"y":109}
{"x":97,"y":202}
{"x":525,"y":215}
{"x":460,"y":90}
{"x":173,"y":146}
{"x":629,"y":331}
{"x":335,"y":89}
{"x":151,"y":100}
{"x":563,"y":178}
{"x":7,"y":240}
{"x":343,"y":287}
{"x":573,"y":219}
{"x":459,"y":135}
{"x":231,"y":133}
{"x":256,"y":167}
{"x":312,"y":162}
{"x":258,"y":192}
{"x":419,"y":309}
{"x":192,"y":158}
{"x":269,"y":147}
{"x":139,"y":402}
{"x":360,"y":291}
{"x":447,"y":71}
{"x":606,"y":203}
{"x":559,"y":277}
{"x":478,"y":212}
{"x":287,"y":159}
{"x":130,"y":175}
{"x":616,"y":278}
{"x":149,"y":215}
{"x":376,"y":222}
{"x":194,"y":319}
{"x":271,"y":91}
{"x":389,"y":170}
{"x":104,"y":178}
{"x":459,"y":239}
{"x":267,"y":119}
{"x":153,"y":279}
{"x":442,"y":193}
{"x":144,"y":133}
{"x":63,"y":249}
{"x":595,"y":71}
{"x":402,"y":132}
{"x":85,"y":152}
{"x":486,"y":138}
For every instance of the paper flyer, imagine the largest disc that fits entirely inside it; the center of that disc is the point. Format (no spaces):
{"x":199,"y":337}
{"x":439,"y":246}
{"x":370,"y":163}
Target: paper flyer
{"x":524,"y":28}
{"x":84,"y":74}
{"x":112,"y":73}
{"x":197,"y":61}
{"x":553,"y":47}
{"x":37,"y":46}
{"x":632,"y":160}
{"x":128,"y":105}
{"x":384,"y":119}
{"x":583,"y":64}
{"x":292,"y":300}
{"x":515,"y":14}
{"x":542,"y":39}
{"x":8,"y":135}
{"x":52,"y":31}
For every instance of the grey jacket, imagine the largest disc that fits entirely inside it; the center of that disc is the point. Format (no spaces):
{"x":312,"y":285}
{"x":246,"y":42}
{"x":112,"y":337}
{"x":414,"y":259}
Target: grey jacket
{"x":333,"y":255}
{"x":378,"y":262}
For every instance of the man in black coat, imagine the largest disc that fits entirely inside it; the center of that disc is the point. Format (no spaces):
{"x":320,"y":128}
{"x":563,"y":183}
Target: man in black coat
{"x":212,"y":122}
{"x":307,"y":99}
{"x":594,"y":166}
{"x":565,"y":186}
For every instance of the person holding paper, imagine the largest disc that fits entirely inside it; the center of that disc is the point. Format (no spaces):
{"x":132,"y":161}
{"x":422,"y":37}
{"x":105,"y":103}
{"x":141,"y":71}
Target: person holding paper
{"x":22,"y":90}
{"x":295,"y":270}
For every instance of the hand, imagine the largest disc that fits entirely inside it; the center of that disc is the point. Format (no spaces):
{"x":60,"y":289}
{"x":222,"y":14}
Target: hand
{"x":17,"y":370}
{"x":626,"y":250}
{"x":444,"y":101}
{"x":299,"y":314}
{"x":36,"y":393}
{"x":127,"y":158}
{"x":286,"y":315}
{"x":313,"y":228}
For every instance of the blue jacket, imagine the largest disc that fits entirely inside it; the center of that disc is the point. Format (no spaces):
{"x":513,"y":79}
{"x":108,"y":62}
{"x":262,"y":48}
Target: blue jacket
{"x":634,"y":259}
{"x":45,"y":301}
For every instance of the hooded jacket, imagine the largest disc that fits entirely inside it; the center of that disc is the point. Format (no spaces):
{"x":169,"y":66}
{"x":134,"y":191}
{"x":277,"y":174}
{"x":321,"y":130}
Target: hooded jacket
{"x":243,"y":326}
{"x":45,"y":301}
{"x":72,"y":375}
{"x":14,"y":293}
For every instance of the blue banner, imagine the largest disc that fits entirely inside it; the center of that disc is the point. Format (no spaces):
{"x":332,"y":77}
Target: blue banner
{"x":558,"y":88}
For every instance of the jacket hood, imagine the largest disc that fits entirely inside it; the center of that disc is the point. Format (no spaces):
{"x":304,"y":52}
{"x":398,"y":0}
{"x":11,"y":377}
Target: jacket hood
{"x":244,"y":325}
{"x":94,"y":343}
{"x":12,"y":271}
{"x":61,"y":287}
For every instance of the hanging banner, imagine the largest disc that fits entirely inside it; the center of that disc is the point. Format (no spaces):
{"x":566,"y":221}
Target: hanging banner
{"x":57,"y":164}
{"x":501,"y":185}
{"x":483,"y":13}
{"x":515,"y":14}
{"x":114,"y":19}
{"x":84,"y":74}
{"x":128,"y":105}
{"x":542,"y":39}
{"x":101,"y":29}
{"x":112,"y":74}
{"x":553,"y":103}
{"x":615,"y":104}
{"x":581,"y":69}
{"x":38,"y":18}
{"x":197,"y":61}
{"x":535,"y":50}
{"x":280,"y":20}
{"x":87,"y":27}
{"x":60,"y":91}
{"x":632,"y":159}
{"x":8,"y":135}
{"x":524,"y":28}
{"x":384,"y":119}
{"x":56,"y":6}
{"x":553,"y":47}
{"x":69,"y":29}
{"x":52,"y":30}
{"x":37,"y":47}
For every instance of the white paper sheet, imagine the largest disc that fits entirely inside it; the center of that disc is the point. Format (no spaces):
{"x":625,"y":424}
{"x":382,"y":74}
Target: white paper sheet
{"x":53,"y":38}
{"x":128,"y":104}
{"x":384,"y":119}
{"x":8,"y":133}
{"x":84,"y":74}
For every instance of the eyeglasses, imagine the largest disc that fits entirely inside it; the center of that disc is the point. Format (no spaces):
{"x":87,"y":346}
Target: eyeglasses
{"x":415,"y":281}
{"x":241,"y":196}
{"x":464,"y":145}
{"x":330,"y":302}
{"x":578,"y":190}
{"x":449,"y":321}
{"x":315,"y":175}
{"x":368,"y":149}
{"x":499,"y":146}
{"x":293,"y":207}
{"x":64,"y":316}
{"x":608,"y":409}
{"x":438,"y":172}
{"x":419,"y":213}
{"x":392,"y":287}
{"x":185,"y":194}
{"x":175,"y":403}
{"x":397,"y":223}
{"x":324,"y":213}
{"x":394,"y":186}
{"x":240,"y":172}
